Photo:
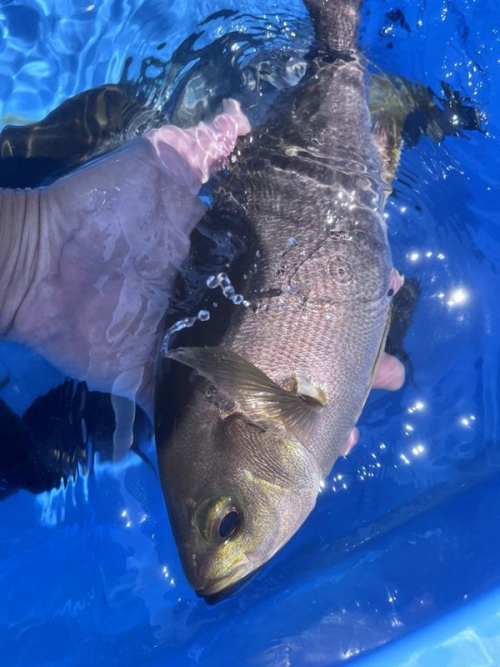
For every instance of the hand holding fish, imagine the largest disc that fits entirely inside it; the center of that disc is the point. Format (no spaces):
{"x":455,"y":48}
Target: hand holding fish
{"x":88,"y":264}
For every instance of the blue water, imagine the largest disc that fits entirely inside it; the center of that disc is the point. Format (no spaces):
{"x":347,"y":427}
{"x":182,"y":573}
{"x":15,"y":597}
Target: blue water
{"x":406,"y":529}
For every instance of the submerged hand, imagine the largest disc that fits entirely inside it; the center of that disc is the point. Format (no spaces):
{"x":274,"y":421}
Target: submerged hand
{"x":390,"y":375}
{"x":92,"y":259}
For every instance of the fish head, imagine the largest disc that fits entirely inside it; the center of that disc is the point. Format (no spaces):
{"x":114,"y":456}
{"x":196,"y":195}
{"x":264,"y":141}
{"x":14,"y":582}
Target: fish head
{"x":239,"y":492}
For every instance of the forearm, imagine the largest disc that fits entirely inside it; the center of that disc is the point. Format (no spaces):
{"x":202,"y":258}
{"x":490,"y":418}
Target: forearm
{"x":19,"y":250}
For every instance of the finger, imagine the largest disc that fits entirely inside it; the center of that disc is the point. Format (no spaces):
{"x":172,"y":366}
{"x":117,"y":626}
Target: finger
{"x":206,"y":146}
{"x":390,"y":373}
{"x":396,"y":282}
{"x":350,"y":442}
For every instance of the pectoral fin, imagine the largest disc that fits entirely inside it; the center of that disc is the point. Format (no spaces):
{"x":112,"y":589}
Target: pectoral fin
{"x":257,"y":396}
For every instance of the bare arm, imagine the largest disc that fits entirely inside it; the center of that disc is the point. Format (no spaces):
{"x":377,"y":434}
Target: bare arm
{"x":19,"y":250}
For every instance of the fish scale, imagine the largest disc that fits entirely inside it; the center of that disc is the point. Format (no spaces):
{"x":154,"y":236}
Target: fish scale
{"x":331,"y":327}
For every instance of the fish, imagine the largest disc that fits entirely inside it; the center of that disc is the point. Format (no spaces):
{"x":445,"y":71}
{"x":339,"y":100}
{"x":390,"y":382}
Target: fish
{"x":269,"y":407}
{"x":98,"y":120}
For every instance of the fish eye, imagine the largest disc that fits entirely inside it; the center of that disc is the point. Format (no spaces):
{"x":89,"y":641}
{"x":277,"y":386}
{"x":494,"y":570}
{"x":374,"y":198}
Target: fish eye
{"x":218,"y":519}
{"x":229,"y":523}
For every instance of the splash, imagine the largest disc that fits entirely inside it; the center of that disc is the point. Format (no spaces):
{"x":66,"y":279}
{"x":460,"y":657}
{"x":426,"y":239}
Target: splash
{"x":222,"y":280}
{"x":185,"y":323}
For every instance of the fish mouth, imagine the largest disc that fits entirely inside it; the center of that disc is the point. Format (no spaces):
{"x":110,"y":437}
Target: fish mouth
{"x":226,"y":586}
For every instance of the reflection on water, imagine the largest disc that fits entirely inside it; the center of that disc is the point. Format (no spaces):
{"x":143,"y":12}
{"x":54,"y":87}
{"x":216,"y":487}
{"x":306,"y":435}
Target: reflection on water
{"x":89,"y":571}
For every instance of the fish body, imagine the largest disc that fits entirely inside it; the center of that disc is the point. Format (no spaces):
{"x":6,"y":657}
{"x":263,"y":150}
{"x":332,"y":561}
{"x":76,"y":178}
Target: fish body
{"x":272,"y":405}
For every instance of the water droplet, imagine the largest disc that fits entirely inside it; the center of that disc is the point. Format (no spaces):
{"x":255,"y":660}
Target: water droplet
{"x":204,"y":315}
{"x":223,"y":279}
{"x":212,"y":282}
{"x":185,"y":323}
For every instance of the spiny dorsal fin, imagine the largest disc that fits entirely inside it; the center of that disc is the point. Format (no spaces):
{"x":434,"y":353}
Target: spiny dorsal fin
{"x":258,"y":397}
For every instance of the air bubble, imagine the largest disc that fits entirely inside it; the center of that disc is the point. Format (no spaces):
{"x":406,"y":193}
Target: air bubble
{"x":223,"y":281}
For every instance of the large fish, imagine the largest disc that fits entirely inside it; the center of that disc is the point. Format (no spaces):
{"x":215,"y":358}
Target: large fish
{"x":272,"y":405}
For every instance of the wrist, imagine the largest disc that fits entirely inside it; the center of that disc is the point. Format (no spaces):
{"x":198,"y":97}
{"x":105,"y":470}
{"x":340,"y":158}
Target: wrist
{"x":20,"y":231}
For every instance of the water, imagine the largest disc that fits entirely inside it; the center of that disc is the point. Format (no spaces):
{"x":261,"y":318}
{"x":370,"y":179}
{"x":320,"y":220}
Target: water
{"x":405,"y":528}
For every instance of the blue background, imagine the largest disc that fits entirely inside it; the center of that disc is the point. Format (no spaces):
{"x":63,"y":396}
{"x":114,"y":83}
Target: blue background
{"x":406,"y":530}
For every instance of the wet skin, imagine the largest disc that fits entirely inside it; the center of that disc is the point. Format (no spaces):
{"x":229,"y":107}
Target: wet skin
{"x":88,"y":264}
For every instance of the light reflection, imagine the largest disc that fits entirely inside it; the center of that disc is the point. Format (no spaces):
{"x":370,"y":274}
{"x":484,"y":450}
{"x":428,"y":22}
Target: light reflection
{"x":466,"y":421}
{"x":458,"y":297}
{"x":416,"y":255}
{"x":350,"y":653}
{"x":417,"y":407}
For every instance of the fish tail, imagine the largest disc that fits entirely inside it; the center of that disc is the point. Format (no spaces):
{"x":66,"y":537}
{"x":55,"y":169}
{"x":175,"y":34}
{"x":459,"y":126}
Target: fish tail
{"x":336,"y":22}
